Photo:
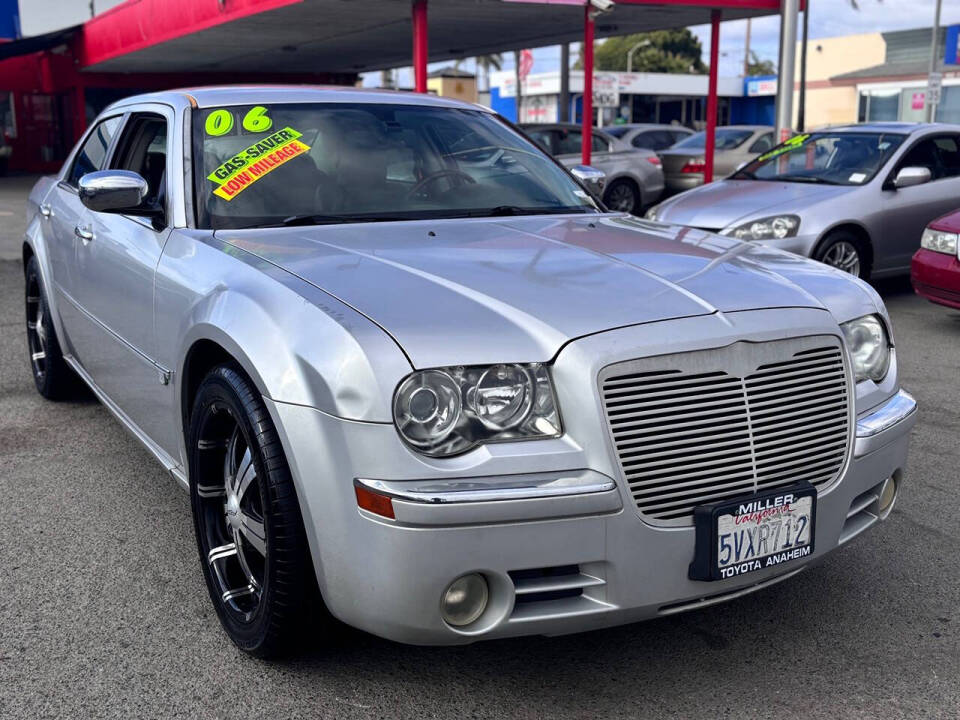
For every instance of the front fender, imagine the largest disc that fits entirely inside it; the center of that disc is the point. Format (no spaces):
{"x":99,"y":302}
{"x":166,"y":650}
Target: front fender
{"x":298,"y":344}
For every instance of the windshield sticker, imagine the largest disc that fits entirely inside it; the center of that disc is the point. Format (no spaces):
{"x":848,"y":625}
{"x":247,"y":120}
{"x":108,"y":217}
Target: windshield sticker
{"x":791,"y":144}
{"x":254,"y":162}
{"x":220,"y":122}
{"x":857,"y":177}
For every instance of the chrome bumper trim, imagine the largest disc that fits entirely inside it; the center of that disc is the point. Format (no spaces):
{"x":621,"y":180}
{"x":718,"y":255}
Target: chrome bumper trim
{"x":898,"y":409}
{"x":491,"y":489}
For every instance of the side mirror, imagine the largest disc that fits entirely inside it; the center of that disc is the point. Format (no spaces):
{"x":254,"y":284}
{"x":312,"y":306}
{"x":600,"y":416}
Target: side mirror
{"x":114,"y":191}
{"x":910,"y":176}
{"x":591,"y":177}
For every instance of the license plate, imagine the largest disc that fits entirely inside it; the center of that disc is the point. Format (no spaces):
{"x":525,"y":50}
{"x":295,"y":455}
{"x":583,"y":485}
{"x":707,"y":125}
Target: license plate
{"x":753,"y":533}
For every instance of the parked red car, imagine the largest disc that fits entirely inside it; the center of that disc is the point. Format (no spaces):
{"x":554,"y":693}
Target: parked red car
{"x":935,"y":270}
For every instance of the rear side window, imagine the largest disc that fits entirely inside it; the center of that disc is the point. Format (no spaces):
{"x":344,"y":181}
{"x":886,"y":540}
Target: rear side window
{"x":653,"y":140}
{"x":94,"y":150}
{"x":762,"y":144}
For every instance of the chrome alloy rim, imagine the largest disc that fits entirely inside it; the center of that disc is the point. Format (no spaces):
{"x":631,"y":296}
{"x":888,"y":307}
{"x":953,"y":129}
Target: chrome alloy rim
{"x":843,"y":255}
{"x":231,"y":514}
{"x":36,"y":331}
{"x":621,"y":198}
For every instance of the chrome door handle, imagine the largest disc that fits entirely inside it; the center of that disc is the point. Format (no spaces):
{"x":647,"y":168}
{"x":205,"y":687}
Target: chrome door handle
{"x":45,"y":210}
{"x":84,"y":233}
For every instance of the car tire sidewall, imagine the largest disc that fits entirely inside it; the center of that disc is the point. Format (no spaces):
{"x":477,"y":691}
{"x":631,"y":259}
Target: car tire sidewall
{"x":267,"y":634}
{"x":57,"y":377}
{"x":843,"y":236}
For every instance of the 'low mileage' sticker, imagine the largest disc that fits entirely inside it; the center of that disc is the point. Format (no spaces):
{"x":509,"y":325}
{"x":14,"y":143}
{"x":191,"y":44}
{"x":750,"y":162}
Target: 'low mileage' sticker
{"x":252,"y":163}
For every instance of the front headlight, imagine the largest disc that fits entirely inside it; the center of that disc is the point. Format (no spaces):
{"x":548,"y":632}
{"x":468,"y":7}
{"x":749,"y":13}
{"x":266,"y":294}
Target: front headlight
{"x":869,"y":347}
{"x":448,"y":411}
{"x":651,"y":213}
{"x":939,"y":241}
{"x":769,"y":228}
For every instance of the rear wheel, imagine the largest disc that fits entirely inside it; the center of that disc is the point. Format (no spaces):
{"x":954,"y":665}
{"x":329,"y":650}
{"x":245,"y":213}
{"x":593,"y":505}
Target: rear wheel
{"x":250,"y":534}
{"x":622,"y":196}
{"x":844,"y":251}
{"x":51,"y":374}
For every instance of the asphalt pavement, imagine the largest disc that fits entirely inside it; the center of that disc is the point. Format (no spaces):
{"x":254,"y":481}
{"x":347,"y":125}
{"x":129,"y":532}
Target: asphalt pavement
{"x":103,"y":611}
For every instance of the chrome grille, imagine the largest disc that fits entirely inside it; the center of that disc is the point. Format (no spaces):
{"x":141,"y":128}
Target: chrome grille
{"x":695,"y":428}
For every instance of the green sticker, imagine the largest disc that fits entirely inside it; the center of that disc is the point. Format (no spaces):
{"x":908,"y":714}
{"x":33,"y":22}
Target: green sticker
{"x":219,"y":122}
{"x":792,"y":144}
{"x":256,"y":120}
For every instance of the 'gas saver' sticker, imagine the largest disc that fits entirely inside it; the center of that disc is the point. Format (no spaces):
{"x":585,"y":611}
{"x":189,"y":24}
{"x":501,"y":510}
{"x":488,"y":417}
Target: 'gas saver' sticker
{"x":251,"y":164}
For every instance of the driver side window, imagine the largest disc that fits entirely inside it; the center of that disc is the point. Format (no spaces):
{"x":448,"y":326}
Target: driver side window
{"x":143,"y":150}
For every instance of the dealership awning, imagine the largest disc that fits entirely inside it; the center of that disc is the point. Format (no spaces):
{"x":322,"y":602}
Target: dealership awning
{"x":146,"y":36}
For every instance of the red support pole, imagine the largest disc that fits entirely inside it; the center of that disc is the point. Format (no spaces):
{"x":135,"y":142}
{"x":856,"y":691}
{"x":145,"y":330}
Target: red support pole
{"x":79,"y":111}
{"x":420,"y":51}
{"x":587,"y":120}
{"x":712,"y":95}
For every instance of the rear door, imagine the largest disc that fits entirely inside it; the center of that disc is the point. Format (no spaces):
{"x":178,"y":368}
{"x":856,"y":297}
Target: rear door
{"x":67,"y":217}
{"x":907,"y":211}
{"x":114,"y":283}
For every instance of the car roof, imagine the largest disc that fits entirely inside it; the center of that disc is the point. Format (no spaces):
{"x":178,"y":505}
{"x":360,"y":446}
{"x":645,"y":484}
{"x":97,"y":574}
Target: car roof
{"x":900,"y":128}
{"x":215,"y":96}
{"x":648,"y":126}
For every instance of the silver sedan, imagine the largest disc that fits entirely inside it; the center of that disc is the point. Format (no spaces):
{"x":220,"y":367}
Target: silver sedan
{"x":409,"y":371}
{"x":855,"y":197}
{"x":634,"y":180}
{"x":684,"y":164}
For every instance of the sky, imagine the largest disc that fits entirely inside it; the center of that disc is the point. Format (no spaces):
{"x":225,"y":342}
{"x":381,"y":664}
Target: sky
{"x":828,"y":18}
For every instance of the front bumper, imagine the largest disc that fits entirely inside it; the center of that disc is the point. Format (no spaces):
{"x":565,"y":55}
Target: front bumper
{"x":936,"y":277}
{"x":388,"y":576}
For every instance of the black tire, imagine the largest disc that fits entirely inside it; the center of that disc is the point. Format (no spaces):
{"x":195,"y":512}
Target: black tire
{"x":622,"y":195}
{"x":51,"y":374}
{"x":266,"y":620}
{"x":837,"y":250}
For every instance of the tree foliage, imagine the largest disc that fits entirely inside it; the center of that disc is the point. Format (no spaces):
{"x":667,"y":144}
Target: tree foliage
{"x":667,"y":51}
{"x":756,"y":66}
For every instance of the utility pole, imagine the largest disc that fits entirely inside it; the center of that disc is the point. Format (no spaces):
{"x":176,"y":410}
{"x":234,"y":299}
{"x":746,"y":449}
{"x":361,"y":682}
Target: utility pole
{"x":788,"y":53}
{"x":746,"y":56}
{"x":802,"y":108}
{"x":563,"y":111}
{"x":931,"y":104}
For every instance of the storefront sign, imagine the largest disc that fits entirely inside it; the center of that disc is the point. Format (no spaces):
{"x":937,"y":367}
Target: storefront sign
{"x":917,"y":100}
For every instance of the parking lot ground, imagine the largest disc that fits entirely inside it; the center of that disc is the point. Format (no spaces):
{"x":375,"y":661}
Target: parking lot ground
{"x":103,"y":612}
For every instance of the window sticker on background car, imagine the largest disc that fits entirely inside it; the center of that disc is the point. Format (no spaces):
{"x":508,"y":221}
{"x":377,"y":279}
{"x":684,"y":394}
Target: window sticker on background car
{"x":791,"y":144}
{"x":252,"y":163}
{"x":857,"y":177}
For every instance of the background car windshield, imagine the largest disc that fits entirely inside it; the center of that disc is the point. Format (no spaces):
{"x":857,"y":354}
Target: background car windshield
{"x":826,"y":158}
{"x":727,"y":139}
{"x":336,"y":162}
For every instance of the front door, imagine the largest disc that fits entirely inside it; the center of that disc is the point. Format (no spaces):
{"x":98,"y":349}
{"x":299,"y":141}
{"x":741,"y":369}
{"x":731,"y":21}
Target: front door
{"x":114,"y":281}
{"x":908,"y":211}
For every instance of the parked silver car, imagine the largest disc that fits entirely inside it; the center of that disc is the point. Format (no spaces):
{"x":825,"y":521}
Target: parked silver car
{"x":464,"y":402}
{"x":684,"y":164}
{"x":634,"y":178}
{"x":649,"y":136}
{"x":855,"y":197}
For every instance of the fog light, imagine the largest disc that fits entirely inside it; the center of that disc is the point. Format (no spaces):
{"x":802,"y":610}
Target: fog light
{"x":888,"y":493}
{"x":465,"y":600}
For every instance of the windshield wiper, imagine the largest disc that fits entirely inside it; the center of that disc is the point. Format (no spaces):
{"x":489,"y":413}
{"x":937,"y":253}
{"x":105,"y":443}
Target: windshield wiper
{"x":311,"y":219}
{"x":505,"y":210}
{"x":806,"y":178}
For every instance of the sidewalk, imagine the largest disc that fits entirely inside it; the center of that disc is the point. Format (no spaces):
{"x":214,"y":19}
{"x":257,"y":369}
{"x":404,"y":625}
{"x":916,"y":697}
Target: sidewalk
{"x":13,"y":206}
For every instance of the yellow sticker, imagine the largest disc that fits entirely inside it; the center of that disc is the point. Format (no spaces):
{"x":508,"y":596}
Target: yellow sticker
{"x":792,"y":144}
{"x":238,"y":180}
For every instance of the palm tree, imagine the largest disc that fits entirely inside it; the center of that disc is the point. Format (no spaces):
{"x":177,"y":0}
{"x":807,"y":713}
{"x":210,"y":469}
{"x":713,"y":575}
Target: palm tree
{"x":494,"y":61}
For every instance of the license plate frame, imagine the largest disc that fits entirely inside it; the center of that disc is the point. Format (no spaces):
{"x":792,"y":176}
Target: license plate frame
{"x":706,"y":564}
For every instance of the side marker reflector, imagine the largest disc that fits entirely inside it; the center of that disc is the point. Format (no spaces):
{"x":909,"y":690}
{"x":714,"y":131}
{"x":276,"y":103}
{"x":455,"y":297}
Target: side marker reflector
{"x":372,"y":502}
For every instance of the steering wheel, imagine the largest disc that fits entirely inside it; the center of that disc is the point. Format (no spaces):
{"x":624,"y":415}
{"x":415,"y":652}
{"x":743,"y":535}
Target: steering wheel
{"x":437,"y":176}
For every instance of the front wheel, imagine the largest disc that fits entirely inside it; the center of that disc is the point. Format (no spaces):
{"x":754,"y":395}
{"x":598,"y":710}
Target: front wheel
{"x":844,"y":251}
{"x":250,"y":534}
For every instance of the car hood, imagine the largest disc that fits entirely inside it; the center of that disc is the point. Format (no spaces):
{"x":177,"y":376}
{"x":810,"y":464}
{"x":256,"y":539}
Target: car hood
{"x":723,"y":203}
{"x":463,"y":292}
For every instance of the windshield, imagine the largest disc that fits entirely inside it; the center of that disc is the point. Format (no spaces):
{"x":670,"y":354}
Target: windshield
{"x":335,"y":162}
{"x":617,"y":131}
{"x":727,"y":139}
{"x":825,"y":158}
